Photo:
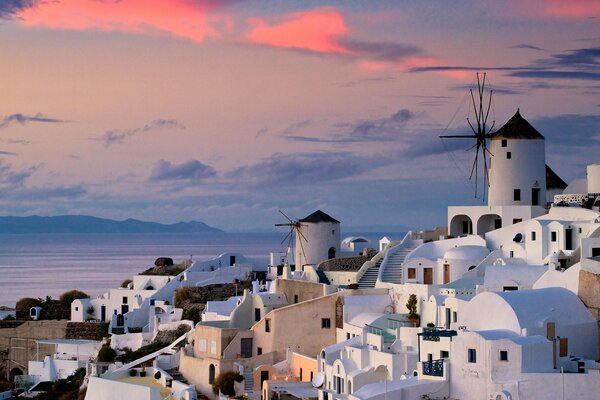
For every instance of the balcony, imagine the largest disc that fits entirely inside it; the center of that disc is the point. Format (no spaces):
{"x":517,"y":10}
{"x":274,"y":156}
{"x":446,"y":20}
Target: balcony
{"x":433,"y":368}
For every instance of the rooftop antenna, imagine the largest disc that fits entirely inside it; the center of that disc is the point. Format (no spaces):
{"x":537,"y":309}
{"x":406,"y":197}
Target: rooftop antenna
{"x":481,"y":133}
{"x":295,"y":228}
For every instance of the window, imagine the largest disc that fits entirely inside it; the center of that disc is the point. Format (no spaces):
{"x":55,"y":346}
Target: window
{"x":454,"y":316}
{"x":553,"y":236}
{"x":257,"y":314}
{"x":124,"y":299}
{"x":267,"y":325}
{"x":348,"y":336}
{"x":258,"y":351}
{"x":512,"y":254}
{"x":213,"y":346}
{"x":503,"y":355}
{"x":202,"y":345}
{"x":508,"y":155}
{"x":412,"y":273}
{"x":295,"y":299}
{"x":517,"y":195}
{"x":504,"y":142}
{"x":325,"y":323}
{"x":472,"y":355}
{"x":76,"y":308}
{"x":517,"y":220}
{"x":579,"y":230}
{"x":444,"y":354}
{"x":333,"y":231}
{"x":533,"y":236}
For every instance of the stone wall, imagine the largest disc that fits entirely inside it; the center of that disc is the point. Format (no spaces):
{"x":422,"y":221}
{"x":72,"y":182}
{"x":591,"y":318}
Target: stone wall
{"x":346,"y":263}
{"x":589,"y":288}
{"x":86,"y":330}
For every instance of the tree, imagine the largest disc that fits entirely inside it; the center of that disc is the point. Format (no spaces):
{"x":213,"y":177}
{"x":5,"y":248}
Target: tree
{"x":412,"y":307}
{"x":67,"y":297}
{"x":24,"y":305}
{"x":107,"y":354}
{"x":224,"y":383}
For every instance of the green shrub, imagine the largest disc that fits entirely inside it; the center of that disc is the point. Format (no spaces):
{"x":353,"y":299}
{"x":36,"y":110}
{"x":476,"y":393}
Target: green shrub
{"x":67,"y":297}
{"x":23,"y":305}
{"x":107,"y":354}
{"x":181,"y":295}
{"x":224,"y":383}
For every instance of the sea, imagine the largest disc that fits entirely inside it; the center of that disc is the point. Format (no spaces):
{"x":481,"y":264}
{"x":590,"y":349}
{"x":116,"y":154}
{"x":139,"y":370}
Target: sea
{"x":50,"y":264}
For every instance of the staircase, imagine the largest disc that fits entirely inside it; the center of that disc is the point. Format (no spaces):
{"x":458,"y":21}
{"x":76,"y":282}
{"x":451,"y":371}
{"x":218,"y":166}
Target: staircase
{"x":370,"y":276}
{"x":248,"y":381}
{"x":177,"y":376}
{"x":394,"y":266}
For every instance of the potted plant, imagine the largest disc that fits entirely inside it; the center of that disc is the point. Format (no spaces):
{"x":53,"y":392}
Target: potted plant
{"x":411,"y":305}
{"x":143,"y":371}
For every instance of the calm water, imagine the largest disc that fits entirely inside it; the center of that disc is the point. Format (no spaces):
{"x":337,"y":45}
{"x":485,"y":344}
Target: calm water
{"x":48,"y":265}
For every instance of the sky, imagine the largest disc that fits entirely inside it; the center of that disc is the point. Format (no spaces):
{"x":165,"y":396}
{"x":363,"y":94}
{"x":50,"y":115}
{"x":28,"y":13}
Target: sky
{"x":227,"y":111}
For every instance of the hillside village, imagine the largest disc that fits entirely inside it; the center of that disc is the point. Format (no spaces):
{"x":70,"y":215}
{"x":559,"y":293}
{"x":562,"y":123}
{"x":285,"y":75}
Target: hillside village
{"x":502,"y":303}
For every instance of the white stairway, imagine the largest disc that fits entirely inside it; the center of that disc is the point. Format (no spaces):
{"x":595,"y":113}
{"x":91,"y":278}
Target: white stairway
{"x":370,"y":277}
{"x":394,"y":266}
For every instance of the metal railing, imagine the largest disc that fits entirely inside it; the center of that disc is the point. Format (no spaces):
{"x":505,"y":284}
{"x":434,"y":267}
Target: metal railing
{"x":433,"y":368}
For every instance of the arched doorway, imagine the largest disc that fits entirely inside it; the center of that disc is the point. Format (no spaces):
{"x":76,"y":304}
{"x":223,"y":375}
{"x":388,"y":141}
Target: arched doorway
{"x":211,"y":374}
{"x":331,"y":253}
{"x":461,"y":225}
{"x":488,"y":222}
{"x":14,"y":372}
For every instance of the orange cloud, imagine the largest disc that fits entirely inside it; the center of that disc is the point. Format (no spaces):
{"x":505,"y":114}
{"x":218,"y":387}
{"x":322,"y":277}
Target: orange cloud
{"x":317,"y":30}
{"x":181,"y":18}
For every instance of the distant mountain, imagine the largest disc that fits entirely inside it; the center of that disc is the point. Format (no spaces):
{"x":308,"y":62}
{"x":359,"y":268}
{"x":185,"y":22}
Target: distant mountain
{"x":87,"y":224}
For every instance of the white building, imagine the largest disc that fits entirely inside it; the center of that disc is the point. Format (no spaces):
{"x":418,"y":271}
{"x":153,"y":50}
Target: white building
{"x":319,"y":239}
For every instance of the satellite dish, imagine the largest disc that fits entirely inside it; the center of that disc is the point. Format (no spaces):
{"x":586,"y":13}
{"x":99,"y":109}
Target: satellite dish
{"x":318,"y":380}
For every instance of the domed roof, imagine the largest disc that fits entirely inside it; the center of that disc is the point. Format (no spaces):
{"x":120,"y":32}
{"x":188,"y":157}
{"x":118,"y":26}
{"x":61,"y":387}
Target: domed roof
{"x":517,"y":128}
{"x":319,"y":216}
{"x":467,"y":252}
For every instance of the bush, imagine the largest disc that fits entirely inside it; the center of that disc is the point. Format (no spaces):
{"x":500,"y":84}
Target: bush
{"x":181,"y":295}
{"x":107,"y":354}
{"x":163,"y":261}
{"x":9,"y":317}
{"x":224,"y":383}
{"x":411,"y":305}
{"x":23,"y":305}
{"x":192,"y":313}
{"x":67,"y":297}
{"x":126,"y":283}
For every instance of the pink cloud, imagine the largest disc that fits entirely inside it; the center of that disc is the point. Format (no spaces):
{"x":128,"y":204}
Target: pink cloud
{"x":315,"y":30}
{"x":181,"y":18}
{"x":564,"y":9}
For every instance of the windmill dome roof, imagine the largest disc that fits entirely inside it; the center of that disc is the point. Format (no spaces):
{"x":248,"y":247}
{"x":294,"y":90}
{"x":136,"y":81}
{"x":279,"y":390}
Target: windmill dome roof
{"x":319,"y":216}
{"x":517,"y":128}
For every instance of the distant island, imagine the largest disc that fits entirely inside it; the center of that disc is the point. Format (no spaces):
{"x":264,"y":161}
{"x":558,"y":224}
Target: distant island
{"x":88,"y":224}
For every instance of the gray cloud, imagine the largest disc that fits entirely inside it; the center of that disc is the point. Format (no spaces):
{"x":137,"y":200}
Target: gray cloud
{"x":304,"y":168}
{"x":380,"y":51}
{"x":8,"y":8}
{"x":116,"y":136}
{"x":7,"y":153}
{"x":365,"y":130}
{"x":25,"y":119}
{"x":10,"y":177}
{"x":526,"y":47}
{"x":192,"y":170}
{"x":54,"y":192}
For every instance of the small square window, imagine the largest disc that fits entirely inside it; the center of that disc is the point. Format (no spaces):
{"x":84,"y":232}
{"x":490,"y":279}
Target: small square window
{"x":508,"y":155}
{"x":533,"y":236}
{"x":472,"y":355}
{"x":553,"y":236}
{"x":503,"y":355}
{"x":325,"y":323}
{"x":259,"y":351}
{"x":76,"y":308}
{"x":504,"y":142}
{"x":412,"y":273}
{"x":517,"y":220}
{"x":444,"y":354}
{"x":517,"y":195}
{"x":124,"y":299}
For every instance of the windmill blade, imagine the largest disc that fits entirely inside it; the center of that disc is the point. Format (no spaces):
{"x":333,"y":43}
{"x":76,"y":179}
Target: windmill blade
{"x":299,"y":232}
{"x":284,"y":224}
{"x":286,"y":217}
{"x":458,"y":136}
{"x":290,"y":248}
{"x":301,"y":246}
{"x":289,"y":235}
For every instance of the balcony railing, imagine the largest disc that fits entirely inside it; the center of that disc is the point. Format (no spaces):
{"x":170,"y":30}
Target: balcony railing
{"x":433,"y":368}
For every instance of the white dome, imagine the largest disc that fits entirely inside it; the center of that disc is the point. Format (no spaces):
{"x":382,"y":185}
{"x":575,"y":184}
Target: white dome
{"x":468,"y":252}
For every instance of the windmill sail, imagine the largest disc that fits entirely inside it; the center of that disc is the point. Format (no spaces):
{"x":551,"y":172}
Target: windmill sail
{"x":481,"y":132}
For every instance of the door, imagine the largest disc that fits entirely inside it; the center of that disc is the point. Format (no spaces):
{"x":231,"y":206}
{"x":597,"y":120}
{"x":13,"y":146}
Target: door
{"x":264,"y":376}
{"x":569,"y":239}
{"x":231,"y":261}
{"x":103,"y":313}
{"x":448,"y":311}
{"x":246,"y":347}
{"x":446,"y":273}
{"x":535,"y":196}
{"x":124,"y":309}
{"x":428,"y":276}
{"x":595,"y":251}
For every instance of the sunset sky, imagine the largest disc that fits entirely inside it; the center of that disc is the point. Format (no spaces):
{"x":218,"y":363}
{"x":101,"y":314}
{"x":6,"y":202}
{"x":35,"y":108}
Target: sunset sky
{"x":226,"y":111}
